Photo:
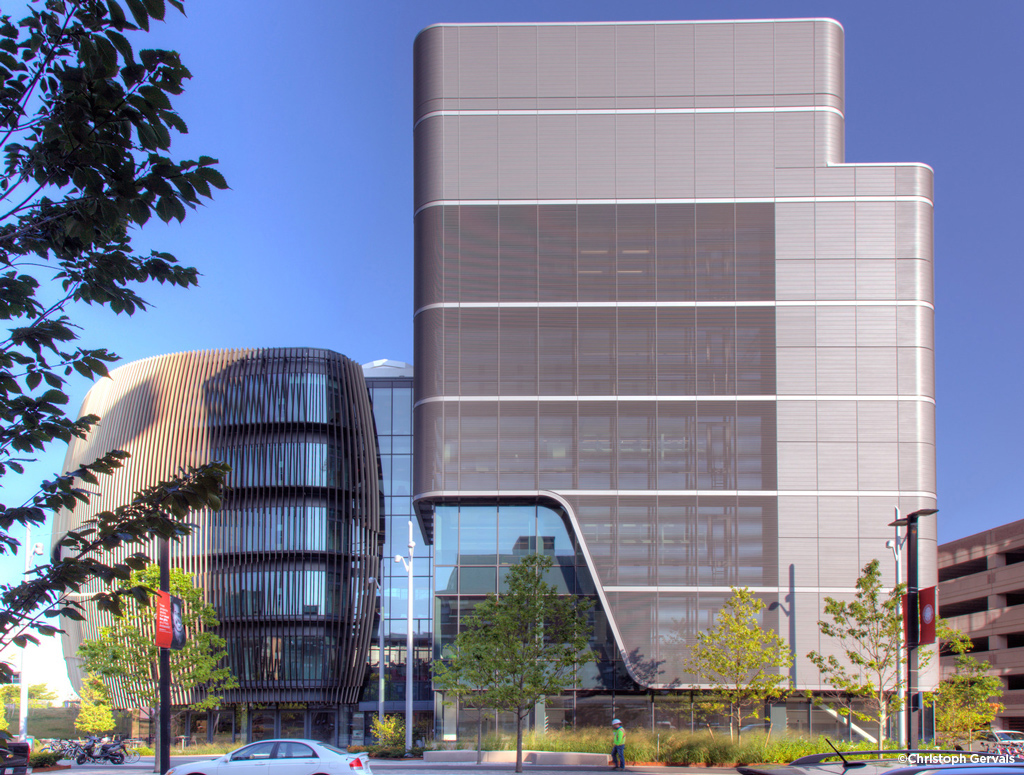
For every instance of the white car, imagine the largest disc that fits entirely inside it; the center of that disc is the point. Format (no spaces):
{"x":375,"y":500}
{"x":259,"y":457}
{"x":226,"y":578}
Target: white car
{"x":281,"y":757}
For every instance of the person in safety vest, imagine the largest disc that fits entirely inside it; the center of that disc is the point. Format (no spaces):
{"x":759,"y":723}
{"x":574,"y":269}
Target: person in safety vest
{"x":618,"y":745}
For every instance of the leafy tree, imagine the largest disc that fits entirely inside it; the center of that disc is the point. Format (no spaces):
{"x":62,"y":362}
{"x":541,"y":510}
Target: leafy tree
{"x":743,"y":664}
{"x":39,"y":696}
{"x":518,"y":647}
{"x":966,"y":700}
{"x":95,"y":716}
{"x":869,"y":632}
{"x":85,"y":124}
{"x":126,"y":652}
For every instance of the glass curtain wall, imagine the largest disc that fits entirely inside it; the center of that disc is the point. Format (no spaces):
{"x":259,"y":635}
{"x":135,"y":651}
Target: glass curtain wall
{"x":392,"y":411}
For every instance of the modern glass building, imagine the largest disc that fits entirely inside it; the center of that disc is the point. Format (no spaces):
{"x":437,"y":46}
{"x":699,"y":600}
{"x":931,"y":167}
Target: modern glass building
{"x":390,"y":384}
{"x":287,"y":561}
{"x":663,"y":329}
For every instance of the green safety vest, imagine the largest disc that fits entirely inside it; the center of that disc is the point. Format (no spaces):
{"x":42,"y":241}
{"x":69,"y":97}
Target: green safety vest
{"x":619,"y":737}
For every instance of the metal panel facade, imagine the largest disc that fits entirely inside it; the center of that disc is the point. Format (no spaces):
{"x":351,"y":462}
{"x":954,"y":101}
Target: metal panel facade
{"x":705,"y":340}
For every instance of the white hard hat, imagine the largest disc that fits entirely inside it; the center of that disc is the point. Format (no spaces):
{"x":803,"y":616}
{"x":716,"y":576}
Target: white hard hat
{"x":615,"y":721}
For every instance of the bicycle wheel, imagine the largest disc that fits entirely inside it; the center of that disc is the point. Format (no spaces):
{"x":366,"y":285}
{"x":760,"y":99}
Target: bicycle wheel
{"x":132,"y":756}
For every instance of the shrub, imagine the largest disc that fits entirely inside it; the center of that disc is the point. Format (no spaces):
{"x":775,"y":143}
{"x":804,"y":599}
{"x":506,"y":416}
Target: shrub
{"x":357,"y":748}
{"x":44,"y":759}
{"x":390,"y":732}
{"x":144,"y":750}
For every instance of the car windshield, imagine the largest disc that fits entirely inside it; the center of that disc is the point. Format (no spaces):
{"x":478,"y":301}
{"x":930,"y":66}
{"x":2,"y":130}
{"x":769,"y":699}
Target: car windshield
{"x":1010,"y":736}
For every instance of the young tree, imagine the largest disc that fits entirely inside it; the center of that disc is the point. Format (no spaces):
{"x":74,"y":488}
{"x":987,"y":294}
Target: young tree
{"x":966,"y":700}
{"x":743,"y":664}
{"x":95,"y":716}
{"x":869,"y":631}
{"x":126,"y":652}
{"x":518,"y":647}
{"x":85,"y":125}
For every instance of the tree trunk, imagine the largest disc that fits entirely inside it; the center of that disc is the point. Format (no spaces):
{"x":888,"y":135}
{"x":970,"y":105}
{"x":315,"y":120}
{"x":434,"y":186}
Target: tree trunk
{"x":479,"y":735}
{"x":882,"y":708}
{"x":519,"y":742}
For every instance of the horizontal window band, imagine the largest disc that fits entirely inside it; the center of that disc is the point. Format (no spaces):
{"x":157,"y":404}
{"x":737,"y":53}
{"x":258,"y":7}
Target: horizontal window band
{"x":672,"y":304}
{"x":626,"y":111}
{"x":666,"y":399}
{"x":676,"y":200}
{"x":728,"y":590}
{"x":495,"y":494}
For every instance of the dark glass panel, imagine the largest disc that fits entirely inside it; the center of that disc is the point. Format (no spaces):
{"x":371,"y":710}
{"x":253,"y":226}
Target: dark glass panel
{"x":636,"y":252}
{"x":597,"y":352}
{"x":755,"y":251}
{"x":478,"y":581}
{"x":517,"y":228}
{"x":715,"y":260}
{"x":557,"y":445}
{"x":716,"y":352}
{"x":676,"y":242}
{"x":755,"y":351}
{"x":556,"y":226}
{"x":676,"y":348}
{"x":637,"y":351}
{"x":518,"y":359}
{"x":636,"y":453}
{"x":596,"y":267}
{"x":597,"y":446}
{"x":478,"y":254}
{"x":478,"y":343}
{"x":556,"y":346}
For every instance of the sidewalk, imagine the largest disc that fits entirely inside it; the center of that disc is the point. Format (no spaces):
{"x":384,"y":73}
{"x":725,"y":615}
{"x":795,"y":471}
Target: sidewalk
{"x":414,"y":767}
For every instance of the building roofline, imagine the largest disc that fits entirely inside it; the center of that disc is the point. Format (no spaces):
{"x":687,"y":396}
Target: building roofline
{"x":631,"y":23}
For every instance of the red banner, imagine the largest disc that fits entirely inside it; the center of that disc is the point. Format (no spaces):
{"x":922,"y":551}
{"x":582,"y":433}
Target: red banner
{"x":928,"y":607}
{"x":164,"y":629}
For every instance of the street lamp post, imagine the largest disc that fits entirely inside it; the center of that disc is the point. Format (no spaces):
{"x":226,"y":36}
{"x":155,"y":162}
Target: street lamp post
{"x":896,"y":544}
{"x":913,"y":622}
{"x":380,"y":652}
{"x":408,"y":644}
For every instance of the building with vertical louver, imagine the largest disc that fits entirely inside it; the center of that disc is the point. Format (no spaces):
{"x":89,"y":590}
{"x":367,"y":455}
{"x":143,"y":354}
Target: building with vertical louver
{"x":287,"y":561}
{"x":663,"y":331}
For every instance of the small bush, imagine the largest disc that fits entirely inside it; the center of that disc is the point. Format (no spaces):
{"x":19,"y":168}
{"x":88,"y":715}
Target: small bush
{"x":144,"y":750}
{"x":46,"y":759}
{"x":357,"y":748}
{"x":392,"y":751}
{"x":390,"y":732}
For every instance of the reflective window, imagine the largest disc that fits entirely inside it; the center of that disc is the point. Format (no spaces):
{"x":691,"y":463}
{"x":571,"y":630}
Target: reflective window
{"x":253,"y":752}
{"x":293,"y":724}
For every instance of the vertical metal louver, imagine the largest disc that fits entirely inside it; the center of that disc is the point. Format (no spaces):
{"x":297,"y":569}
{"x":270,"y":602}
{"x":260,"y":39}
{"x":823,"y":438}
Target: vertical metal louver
{"x":287,"y":560}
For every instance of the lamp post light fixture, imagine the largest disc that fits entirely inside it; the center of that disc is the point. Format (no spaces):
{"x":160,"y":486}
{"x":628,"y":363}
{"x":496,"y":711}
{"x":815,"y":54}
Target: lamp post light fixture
{"x":913,"y":627}
{"x":380,"y":651}
{"x":896,"y":545}
{"x":407,"y":562}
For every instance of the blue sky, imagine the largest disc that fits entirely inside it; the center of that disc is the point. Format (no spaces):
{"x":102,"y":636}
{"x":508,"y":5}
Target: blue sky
{"x":308,"y":107}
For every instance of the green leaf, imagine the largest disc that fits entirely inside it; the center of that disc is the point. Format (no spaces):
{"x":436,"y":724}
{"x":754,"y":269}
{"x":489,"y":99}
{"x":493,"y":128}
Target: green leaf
{"x":122,"y":45}
{"x":212,"y":176}
{"x":139,"y":13}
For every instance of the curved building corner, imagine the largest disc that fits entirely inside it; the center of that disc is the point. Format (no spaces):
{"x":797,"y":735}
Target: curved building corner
{"x":287,"y":562}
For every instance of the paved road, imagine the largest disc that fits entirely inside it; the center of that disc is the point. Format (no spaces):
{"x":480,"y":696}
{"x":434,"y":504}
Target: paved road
{"x":413,"y":767}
